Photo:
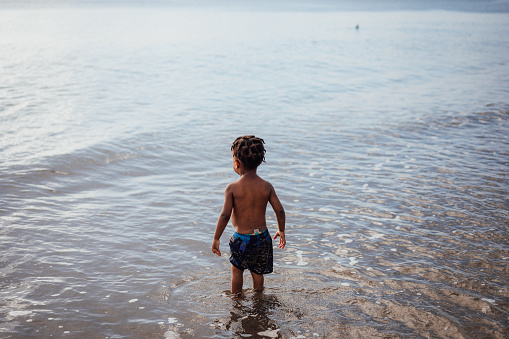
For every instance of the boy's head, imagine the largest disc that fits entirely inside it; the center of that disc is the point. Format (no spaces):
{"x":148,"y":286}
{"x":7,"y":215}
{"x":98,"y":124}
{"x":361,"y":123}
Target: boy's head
{"x":249,"y":150}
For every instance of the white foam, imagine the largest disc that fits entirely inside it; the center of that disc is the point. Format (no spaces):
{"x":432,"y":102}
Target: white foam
{"x":301,"y":261}
{"x":171,"y":335}
{"x":491,"y":301}
{"x":172,"y":320}
{"x":269,"y":333}
{"x":345,"y":284}
{"x":353,"y":260}
{"x":64,"y":290}
{"x":19,"y":313}
{"x":376,"y":236}
{"x":133,"y":301}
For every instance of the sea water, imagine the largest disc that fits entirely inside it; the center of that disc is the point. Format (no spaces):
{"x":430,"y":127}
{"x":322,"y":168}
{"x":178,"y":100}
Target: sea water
{"x":386,"y":128}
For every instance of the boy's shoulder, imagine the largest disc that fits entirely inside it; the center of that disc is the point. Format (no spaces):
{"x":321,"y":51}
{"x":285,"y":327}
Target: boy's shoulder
{"x":240,"y":183}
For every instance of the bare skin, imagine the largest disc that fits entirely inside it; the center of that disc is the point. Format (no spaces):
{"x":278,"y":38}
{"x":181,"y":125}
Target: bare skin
{"x":245,"y":201}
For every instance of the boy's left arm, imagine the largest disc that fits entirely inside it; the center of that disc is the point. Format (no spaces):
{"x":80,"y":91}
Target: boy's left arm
{"x":281,"y":217}
{"x":223,"y":219}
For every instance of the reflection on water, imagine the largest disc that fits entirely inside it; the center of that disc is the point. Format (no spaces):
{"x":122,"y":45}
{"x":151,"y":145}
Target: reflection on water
{"x":388,"y":147}
{"x":251,"y":315}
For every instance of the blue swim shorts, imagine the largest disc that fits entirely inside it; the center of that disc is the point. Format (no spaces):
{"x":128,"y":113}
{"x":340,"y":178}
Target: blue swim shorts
{"x":252,"y":252}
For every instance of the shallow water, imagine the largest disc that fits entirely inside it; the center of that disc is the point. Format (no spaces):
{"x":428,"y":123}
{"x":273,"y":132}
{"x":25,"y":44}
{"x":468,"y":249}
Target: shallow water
{"x":387,"y":145}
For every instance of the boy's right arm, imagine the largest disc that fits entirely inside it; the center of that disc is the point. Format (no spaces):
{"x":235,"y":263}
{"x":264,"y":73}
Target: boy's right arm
{"x":223,"y":219}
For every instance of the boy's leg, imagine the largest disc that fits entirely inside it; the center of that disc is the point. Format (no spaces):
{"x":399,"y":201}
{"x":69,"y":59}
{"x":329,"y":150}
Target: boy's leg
{"x":257,"y":281}
{"x":237,"y":280}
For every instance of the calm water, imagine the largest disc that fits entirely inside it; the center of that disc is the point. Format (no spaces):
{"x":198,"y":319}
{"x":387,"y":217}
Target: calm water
{"x":388,"y":146}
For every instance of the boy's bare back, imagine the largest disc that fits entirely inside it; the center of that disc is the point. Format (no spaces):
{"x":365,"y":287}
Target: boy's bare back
{"x":249,"y":197}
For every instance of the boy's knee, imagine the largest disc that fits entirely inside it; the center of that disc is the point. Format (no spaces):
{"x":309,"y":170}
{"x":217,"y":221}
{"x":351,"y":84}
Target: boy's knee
{"x":237,"y":271}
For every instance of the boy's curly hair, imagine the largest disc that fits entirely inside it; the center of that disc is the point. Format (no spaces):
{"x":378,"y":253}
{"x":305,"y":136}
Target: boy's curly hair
{"x":249,"y":150}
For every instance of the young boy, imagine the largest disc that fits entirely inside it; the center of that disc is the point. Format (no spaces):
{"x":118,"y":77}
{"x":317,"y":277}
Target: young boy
{"x":245,"y":200}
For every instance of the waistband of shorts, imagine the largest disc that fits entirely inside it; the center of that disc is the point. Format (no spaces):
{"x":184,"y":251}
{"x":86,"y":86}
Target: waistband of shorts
{"x":247,"y":237}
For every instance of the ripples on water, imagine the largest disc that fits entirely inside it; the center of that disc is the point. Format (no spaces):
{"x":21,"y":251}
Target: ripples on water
{"x":388,"y":147}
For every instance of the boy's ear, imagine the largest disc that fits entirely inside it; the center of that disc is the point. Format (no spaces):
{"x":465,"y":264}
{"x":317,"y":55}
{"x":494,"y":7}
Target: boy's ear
{"x":237,"y":163}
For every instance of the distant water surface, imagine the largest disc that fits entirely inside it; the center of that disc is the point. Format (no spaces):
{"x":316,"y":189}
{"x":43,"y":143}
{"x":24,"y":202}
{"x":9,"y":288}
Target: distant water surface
{"x":387,"y":144}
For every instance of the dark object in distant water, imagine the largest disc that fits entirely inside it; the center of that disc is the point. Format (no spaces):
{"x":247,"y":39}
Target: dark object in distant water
{"x":357,"y":27}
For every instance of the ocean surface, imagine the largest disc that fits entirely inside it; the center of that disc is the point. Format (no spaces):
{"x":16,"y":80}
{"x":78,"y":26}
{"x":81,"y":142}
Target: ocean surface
{"x":388,"y":145}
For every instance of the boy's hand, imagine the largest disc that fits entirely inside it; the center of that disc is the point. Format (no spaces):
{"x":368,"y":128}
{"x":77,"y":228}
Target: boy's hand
{"x":282,"y":240}
{"x":215,"y":247}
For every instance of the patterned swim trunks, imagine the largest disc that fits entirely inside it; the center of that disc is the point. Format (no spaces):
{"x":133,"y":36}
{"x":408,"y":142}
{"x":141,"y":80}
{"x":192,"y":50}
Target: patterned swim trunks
{"x":252,"y":252}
